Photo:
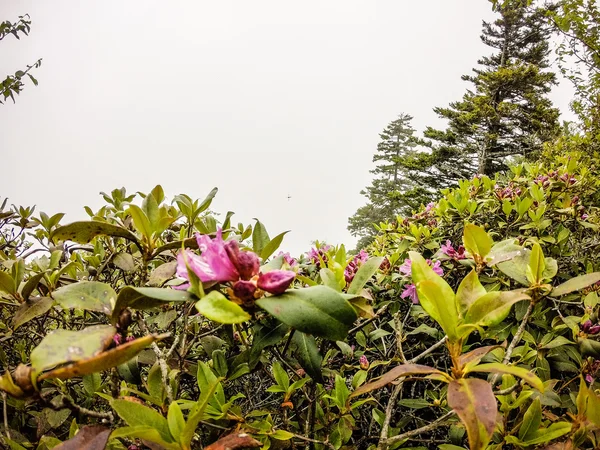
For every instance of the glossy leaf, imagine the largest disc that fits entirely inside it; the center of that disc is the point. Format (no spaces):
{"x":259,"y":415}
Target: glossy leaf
{"x":8,"y":385}
{"x":103,"y":361}
{"x":403,"y":370}
{"x":234,"y":441}
{"x":148,"y":434}
{"x":64,"y":346}
{"x":317,"y":310}
{"x":531,"y":420}
{"x":536,"y":266}
{"x":135,"y":414}
{"x":474,"y":356}
{"x":84,"y":232}
{"x":520,"y":372}
{"x":260,"y":237}
{"x":31,"y":284}
{"x":576,"y":284}
{"x":7,"y":284}
{"x":469,"y":290}
{"x":493,"y":307}
{"x":87,"y":295}
{"x":473,"y":401}
{"x":364,"y":274}
{"x":476,"y":240}
{"x":436,"y":297}
{"x":217,"y":307}
{"x":141,"y":221}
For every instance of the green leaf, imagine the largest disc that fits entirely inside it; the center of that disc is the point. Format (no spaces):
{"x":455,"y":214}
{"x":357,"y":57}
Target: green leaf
{"x":469,"y":290}
{"x":520,"y":372}
{"x":576,"y":284}
{"x":364,"y":274}
{"x":7,"y":284}
{"x":83,"y":232}
{"x":476,"y":240}
{"x":281,"y":376}
{"x":531,"y":420}
{"x":493,"y":307}
{"x":272,"y":246}
{"x":31,"y":309}
{"x":317,"y":310}
{"x":175,"y":420}
{"x":260,"y":237}
{"x":136,"y":415}
{"x":537,"y":265}
{"x":140,"y":221}
{"x":217,"y":307}
{"x":31,"y":284}
{"x":437,"y":299}
{"x":147,"y":298}
{"x":330,"y":280}
{"x":147,"y":433}
{"x":473,"y":401}
{"x":63,"y":346}
{"x":282,"y":435}
{"x":266,"y":334}
{"x":124,"y":261}
{"x":87,"y":295}
{"x":308,"y":355}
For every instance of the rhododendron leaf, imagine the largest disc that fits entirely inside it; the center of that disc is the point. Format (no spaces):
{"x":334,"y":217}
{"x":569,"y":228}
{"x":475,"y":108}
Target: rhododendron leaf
{"x":89,"y":437}
{"x":493,"y":307}
{"x":436,"y":297}
{"x":103,"y":361}
{"x":536,"y":266}
{"x":87,"y":295}
{"x":8,"y":385}
{"x":318,"y":310}
{"x":146,"y":433}
{"x":364,"y":274}
{"x":272,"y":246}
{"x":147,"y":298}
{"x":520,"y":372}
{"x":235,"y":441}
{"x":64,"y":346}
{"x":474,"y":356}
{"x":576,"y":284}
{"x":473,"y":401}
{"x":503,"y":251}
{"x":31,"y":309}
{"x":330,"y":280}
{"x":476,"y":240}
{"x":83,"y":232}
{"x":308,"y":355}
{"x":403,"y":370}
{"x":217,"y":307}
{"x":260,"y":237}
{"x":138,"y":415}
{"x":469,"y":290}
{"x":140,"y":221}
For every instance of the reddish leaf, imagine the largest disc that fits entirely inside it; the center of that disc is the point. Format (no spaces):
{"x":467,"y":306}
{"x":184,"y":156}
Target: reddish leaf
{"x":397,"y":372}
{"x":234,"y":441}
{"x":90,"y":437}
{"x":567,"y":445}
{"x":474,"y":402}
{"x":476,"y":354}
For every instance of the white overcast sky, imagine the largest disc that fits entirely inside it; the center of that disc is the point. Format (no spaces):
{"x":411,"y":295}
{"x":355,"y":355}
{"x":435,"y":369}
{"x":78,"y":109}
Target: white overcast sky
{"x":261,"y":98}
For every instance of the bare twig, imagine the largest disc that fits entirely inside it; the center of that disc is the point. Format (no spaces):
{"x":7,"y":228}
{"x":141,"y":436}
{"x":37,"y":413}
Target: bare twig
{"x":432,"y":426}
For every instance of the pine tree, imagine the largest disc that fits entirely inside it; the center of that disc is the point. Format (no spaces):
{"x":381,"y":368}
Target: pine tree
{"x":393,"y":190}
{"x":507,"y":113}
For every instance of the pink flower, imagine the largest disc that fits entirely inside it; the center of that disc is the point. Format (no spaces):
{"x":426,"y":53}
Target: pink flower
{"x":292,"y":262}
{"x":406,"y":269}
{"x":364,"y":362}
{"x":246,"y":263}
{"x":213,"y":264}
{"x":584,"y":216}
{"x":276,"y":281}
{"x":244,"y":290}
{"x":589,"y":378}
{"x":315,"y":255}
{"x":410,"y":290}
{"x":353,"y":265}
{"x":437,"y":267}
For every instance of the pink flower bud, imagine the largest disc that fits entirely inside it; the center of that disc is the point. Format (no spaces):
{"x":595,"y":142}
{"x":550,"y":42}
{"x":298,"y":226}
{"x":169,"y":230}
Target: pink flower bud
{"x":594,"y":330}
{"x":364,"y":362}
{"x":244,"y":290}
{"x":586,"y":326}
{"x":246,"y":263}
{"x":276,"y":281}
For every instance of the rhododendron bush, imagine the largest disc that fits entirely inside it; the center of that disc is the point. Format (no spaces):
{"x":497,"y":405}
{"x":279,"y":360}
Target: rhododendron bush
{"x":156,"y":324}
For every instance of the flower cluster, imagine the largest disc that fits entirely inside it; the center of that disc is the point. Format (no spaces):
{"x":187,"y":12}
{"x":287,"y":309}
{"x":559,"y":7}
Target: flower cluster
{"x":353,"y":265}
{"x":290,"y":260}
{"x":456,"y":254}
{"x":222,"y":262}
{"x":410,"y":290}
{"x":510,"y":192}
{"x":589,"y":328}
{"x":315,"y":255}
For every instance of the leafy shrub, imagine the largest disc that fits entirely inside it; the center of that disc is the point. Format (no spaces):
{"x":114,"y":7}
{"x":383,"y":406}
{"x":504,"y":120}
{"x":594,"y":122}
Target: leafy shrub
{"x":473,"y":322}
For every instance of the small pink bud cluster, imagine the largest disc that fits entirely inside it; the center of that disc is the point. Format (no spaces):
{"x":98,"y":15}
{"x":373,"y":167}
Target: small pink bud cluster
{"x":316,"y":254}
{"x":353,"y":265}
{"x":510,"y":192}
{"x":364,"y":362}
{"x":451,"y":252}
{"x":589,"y":328}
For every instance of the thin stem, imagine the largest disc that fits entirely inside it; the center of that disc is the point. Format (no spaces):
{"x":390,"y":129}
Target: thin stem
{"x":515,"y":340}
{"x":5,"y":411}
{"x":432,"y":426}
